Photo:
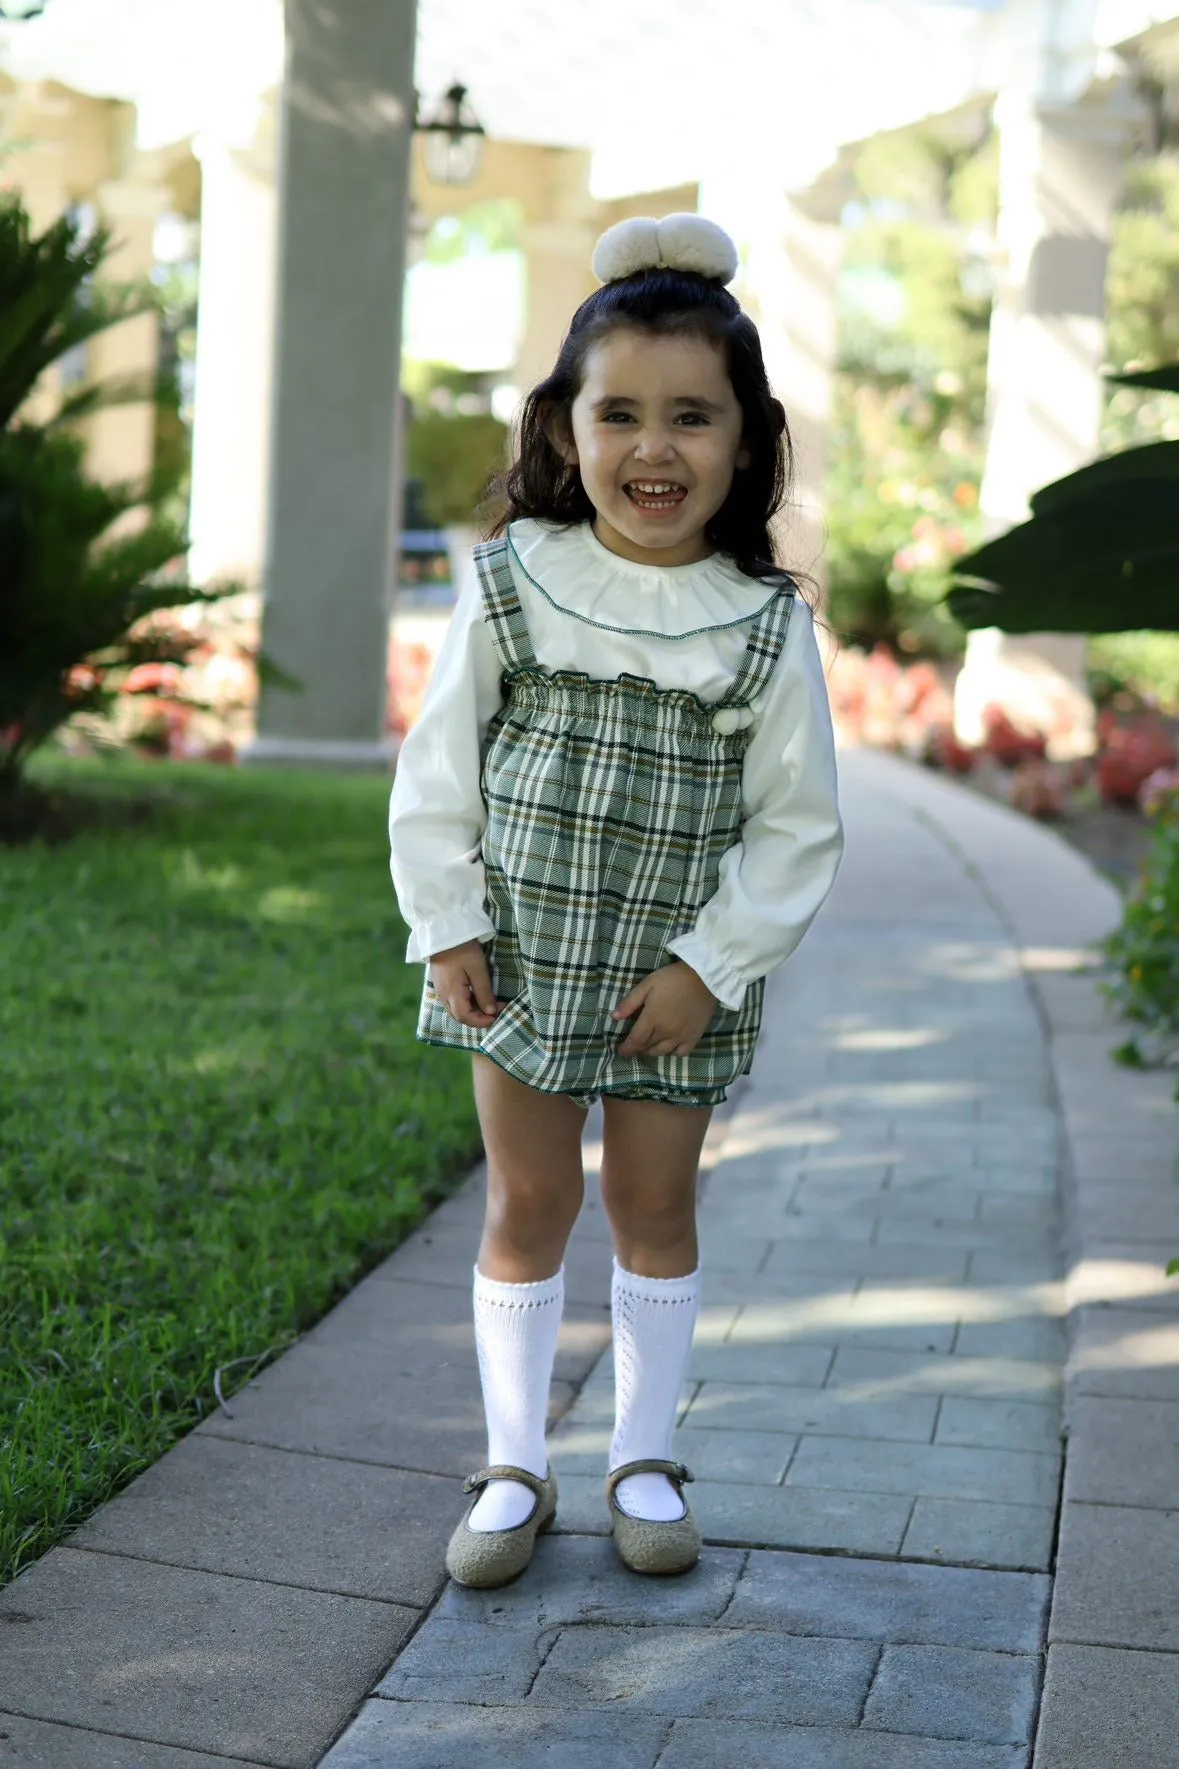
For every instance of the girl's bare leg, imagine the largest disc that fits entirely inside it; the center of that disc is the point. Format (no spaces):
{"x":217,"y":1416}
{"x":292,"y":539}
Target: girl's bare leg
{"x":535,"y":1180}
{"x":650,"y":1160}
{"x":534,"y":1192}
{"x":649,"y":1167}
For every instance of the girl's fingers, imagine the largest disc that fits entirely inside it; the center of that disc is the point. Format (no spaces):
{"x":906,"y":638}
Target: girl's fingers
{"x":483,"y":995}
{"x":633,"y":1001}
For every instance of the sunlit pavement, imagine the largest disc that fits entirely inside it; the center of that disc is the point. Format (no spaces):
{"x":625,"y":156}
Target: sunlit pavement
{"x":932,"y":1227}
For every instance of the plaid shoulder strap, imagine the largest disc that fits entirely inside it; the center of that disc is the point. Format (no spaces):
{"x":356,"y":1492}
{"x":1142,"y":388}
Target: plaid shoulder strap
{"x":501,"y":605}
{"x":765,"y":644}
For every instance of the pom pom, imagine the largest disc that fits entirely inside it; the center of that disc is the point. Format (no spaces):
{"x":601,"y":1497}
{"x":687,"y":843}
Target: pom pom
{"x":677,"y":242}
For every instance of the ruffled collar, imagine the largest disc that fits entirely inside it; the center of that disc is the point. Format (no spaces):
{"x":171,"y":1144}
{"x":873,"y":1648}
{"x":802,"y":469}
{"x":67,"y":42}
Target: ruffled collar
{"x":576,"y":574}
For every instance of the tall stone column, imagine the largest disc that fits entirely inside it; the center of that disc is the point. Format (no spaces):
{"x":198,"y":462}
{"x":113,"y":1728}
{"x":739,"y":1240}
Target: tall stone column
{"x":234,"y":350}
{"x":792,"y":249}
{"x":348,"y":108}
{"x":121,"y":438}
{"x":557,"y":256}
{"x":1059,"y":180}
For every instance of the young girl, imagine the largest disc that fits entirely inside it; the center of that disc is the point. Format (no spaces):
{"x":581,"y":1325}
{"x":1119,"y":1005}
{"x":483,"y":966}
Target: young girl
{"x":616,"y":813}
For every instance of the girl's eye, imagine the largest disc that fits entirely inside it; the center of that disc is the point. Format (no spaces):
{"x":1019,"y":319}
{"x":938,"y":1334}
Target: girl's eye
{"x":617,"y":418}
{"x":693,"y":418}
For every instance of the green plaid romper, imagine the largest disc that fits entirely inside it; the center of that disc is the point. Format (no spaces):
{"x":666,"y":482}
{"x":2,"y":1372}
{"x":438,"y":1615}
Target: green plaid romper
{"x":609,"y":807}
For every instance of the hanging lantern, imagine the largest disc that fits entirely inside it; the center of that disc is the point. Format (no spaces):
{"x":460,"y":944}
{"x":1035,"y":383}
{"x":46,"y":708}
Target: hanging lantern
{"x":454,"y":139}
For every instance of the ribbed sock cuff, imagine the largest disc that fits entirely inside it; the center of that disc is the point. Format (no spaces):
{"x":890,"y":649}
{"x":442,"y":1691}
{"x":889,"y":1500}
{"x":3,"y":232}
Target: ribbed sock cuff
{"x":679,"y":1289}
{"x":520,"y":1295}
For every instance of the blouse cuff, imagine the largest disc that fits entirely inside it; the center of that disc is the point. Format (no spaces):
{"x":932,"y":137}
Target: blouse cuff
{"x":726,"y":983}
{"x":440,"y":935}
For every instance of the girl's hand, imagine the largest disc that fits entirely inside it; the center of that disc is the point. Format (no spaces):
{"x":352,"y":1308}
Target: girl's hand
{"x":673,"y":1006}
{"x":462,"y":982}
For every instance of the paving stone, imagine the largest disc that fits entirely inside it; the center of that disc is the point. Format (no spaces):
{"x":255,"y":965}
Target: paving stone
{"x":1038,"y":1338}
{"x":1040,"y":1209}
{"x":416,"y":1327}
{"x":1117,"y":1574}
{"x":930,"y":1265}
{"x":999,"y":1424}
{"x":877,"y":1600}
{"x":1011,"y":1266}
{"x":946,"y":1692}
{"x":740,"y":1513}
{"x":581,"y":1507}
{"x":938,"y":1470}
{"x":575,"y":1579}
{"x":746,"y":1360}
{"x":1123,"y":1452}
{"x":718,"y":1406}
{"x":729,"y":1744}
{"x":759,"y":1457}
{"x":964,"y":1532}
{"x":846,"y":1320}
{"x":822,"y":1226}
{"x":594,"y":1405}
{"x":436,"y":1735}
{"x":875,"y":1373}
{"x":232,"y":1666}
{"x":938,"y":1232}
{"x":315,"y":1521}
{"x":39,"y":1744}
{"x":339,"y":1401}
{"x":467,"y":1661}
{"x":1125,"y":1354}
{"x":707,"y":1673}
{"x":1128,"y":1213}
{"x":1106,"y":1709}
{"x":1123,"y":1158}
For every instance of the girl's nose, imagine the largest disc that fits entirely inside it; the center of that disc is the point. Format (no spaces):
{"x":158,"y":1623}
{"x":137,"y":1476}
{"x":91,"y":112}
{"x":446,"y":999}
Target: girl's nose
{"x":655,"y":445}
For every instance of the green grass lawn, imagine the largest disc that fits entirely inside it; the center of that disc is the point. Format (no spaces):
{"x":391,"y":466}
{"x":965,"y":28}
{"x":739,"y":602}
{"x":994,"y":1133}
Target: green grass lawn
{"x":214,"y":1114}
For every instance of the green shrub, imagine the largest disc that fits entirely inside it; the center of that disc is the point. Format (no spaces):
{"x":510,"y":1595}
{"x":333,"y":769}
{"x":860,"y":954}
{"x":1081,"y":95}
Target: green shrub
{"x":1147,"y":664}
{"x":455,"y":455}
{"x":1145,"y":949}
{"x":77,"y":578}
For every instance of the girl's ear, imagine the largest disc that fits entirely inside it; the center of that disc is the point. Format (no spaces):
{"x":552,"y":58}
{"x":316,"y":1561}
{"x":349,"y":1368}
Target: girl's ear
{"x":744,"y":458}
{"x":559,"y":433}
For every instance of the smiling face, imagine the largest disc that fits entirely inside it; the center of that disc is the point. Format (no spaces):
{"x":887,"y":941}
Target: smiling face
{"x":656,"y":435}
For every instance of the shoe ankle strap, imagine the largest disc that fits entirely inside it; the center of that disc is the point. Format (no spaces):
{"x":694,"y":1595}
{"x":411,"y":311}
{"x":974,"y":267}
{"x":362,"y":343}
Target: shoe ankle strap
{"x":677,"y":1472}
{"x":506,"y":1471}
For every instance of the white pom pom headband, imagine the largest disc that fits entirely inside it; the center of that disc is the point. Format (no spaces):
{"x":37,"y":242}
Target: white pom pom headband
{"x":677,"y":242}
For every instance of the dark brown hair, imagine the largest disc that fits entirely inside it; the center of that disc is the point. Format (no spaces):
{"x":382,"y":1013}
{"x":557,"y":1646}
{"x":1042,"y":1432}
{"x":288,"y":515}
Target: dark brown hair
{"x":669,"y":303}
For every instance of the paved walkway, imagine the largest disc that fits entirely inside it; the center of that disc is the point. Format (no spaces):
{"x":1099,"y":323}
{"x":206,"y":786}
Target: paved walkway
{"x":873,"y":1412}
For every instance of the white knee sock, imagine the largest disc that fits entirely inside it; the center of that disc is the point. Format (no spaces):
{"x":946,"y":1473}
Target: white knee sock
{"x":516,"y":1338}
{"x":654,"y":1319}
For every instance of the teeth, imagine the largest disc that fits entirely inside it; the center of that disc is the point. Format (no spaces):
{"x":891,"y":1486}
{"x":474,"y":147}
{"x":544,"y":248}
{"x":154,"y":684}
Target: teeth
{"x":652,"y":488}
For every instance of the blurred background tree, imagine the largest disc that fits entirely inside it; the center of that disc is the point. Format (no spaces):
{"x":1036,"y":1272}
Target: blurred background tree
{"x":908,"y":433}
{"x":910,"y":388}
{"x":1142,"y":288}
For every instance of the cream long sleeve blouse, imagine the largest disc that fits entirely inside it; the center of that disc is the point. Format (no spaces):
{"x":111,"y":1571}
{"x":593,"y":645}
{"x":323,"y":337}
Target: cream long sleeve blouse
{"x":682,"y":627}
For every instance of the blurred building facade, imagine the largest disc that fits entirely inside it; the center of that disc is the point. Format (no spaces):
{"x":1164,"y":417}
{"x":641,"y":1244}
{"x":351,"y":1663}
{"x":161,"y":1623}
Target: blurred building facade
{"x":309,"y":188}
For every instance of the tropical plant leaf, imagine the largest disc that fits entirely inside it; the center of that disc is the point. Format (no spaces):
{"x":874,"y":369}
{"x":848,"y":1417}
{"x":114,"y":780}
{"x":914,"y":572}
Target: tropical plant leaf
{"x":141,"y":389}
{"x":1157,"y":464}
{"x":1165,"y":378}
{"x":48,"y":300}
{"x":1106,"y":563}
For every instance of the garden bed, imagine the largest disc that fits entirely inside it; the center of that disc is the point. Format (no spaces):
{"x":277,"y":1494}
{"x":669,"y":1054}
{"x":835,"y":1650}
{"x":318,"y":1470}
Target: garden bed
{"x":214,"y":1114}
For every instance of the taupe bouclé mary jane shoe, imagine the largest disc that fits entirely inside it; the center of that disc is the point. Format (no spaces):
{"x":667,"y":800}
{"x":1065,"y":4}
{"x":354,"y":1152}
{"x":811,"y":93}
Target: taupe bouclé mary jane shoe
{"x":647,"y":1546}
{"x":486,"y":1557}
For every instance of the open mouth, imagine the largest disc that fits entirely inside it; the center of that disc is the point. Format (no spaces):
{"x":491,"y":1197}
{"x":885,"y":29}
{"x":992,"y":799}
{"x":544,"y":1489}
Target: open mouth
{"x":655,"y":494}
